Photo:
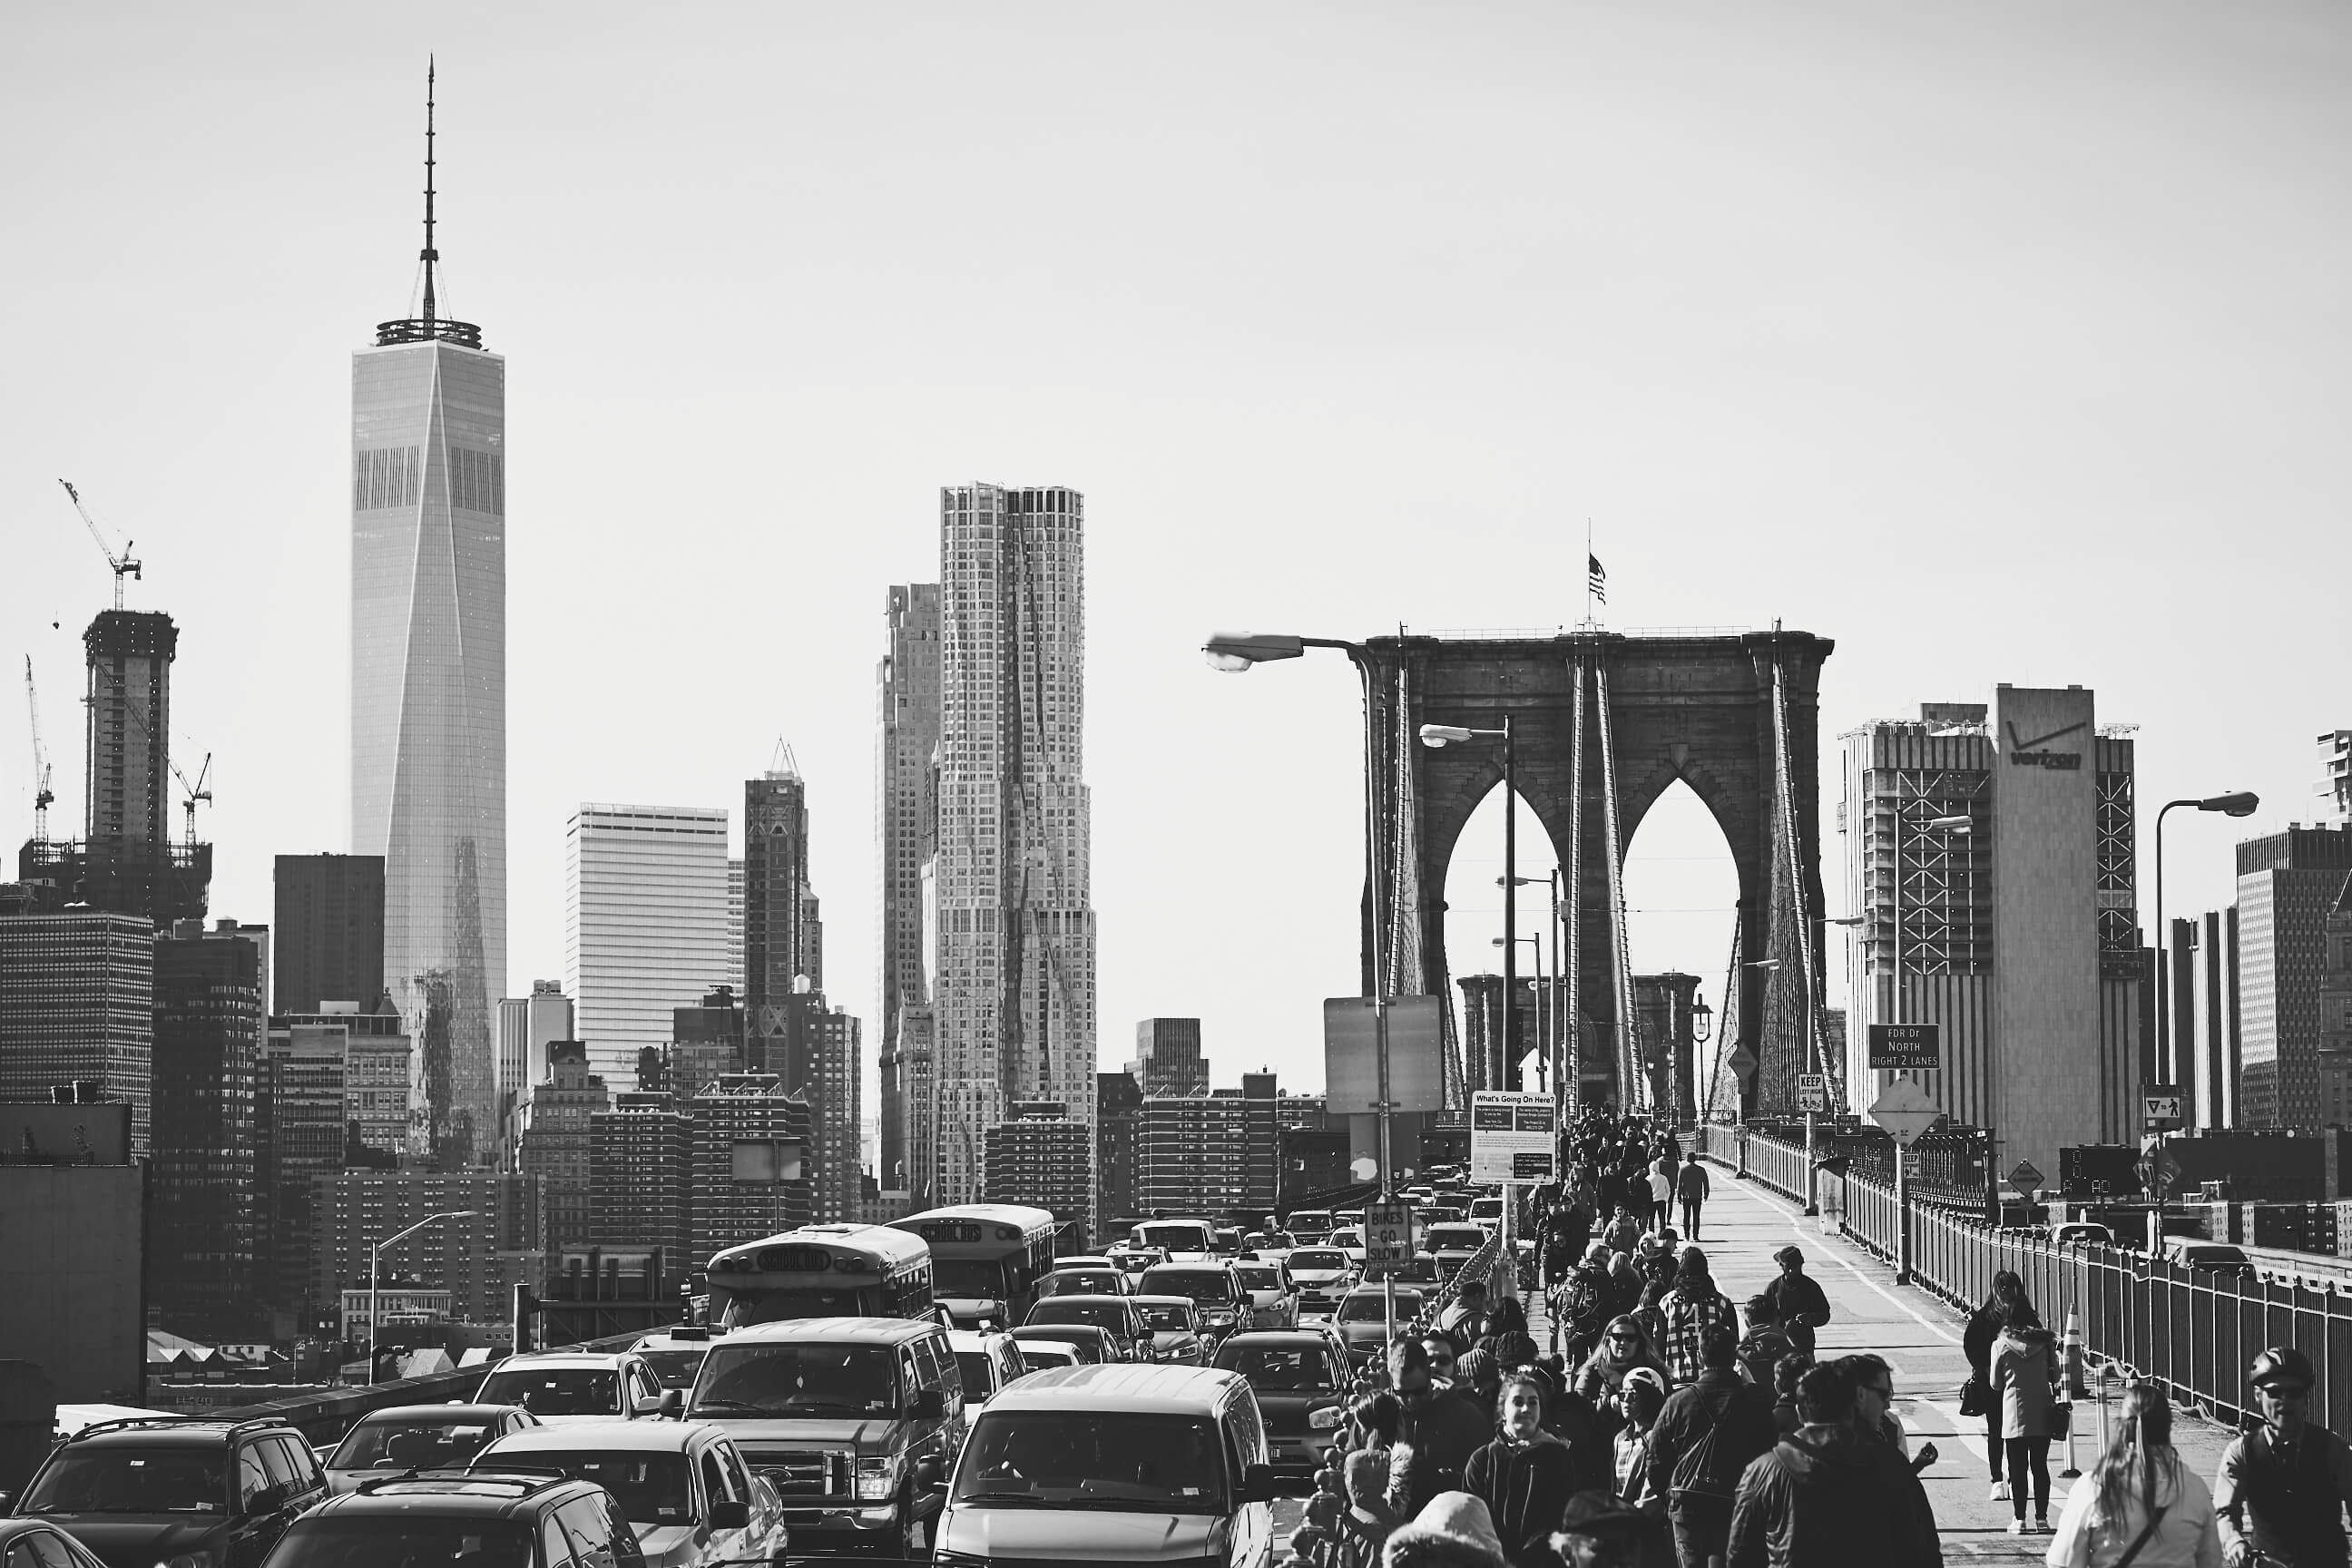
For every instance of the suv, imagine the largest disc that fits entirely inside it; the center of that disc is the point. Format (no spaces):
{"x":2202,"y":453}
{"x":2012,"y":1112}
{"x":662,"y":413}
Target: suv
{"x":687,"y":1493}
{"x":839,"y":1415}
{"x":1104,"y":1464}
{"x":154,"y":1489}
{"x":1224,"y":1305}
{"x":575,"y":1386}
{"x":479,"y":1517}
{"x":1301,"y":1380}
{"x":675,"y":1354}
{"x":988,"y":1361}
{"x":1115,"y":1315}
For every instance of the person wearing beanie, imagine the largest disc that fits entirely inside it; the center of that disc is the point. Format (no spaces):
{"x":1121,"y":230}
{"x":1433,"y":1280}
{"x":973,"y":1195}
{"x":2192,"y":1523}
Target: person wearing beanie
{"x":1800,"y":1305}
{"x":1526,"y":1476}
{"x":1453,"y":1529}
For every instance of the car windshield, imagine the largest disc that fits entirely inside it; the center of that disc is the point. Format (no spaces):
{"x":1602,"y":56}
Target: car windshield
{"x":651,"y":1487}
{"x":1279,"y":1369}
{"x":411,"y":1443}
{"x":1368,"y":1308}
{"x":1455,"y":1239}
{"x":1109,"y":1459}
{"x":1037,"y":1357}
{"x":1348,"y":1237}
{"x":1200,"y":1284}
{"x":413,"y":1541}
{"x":751,"y":1307}
{"x":1319,"y":1258}
{"x":1174,"y":1237}
{"x":801,"y":1378}
{"x":675,"y":1368}
{"x":1258,"y":1279}
{"x":1080,"y":1283}
{"x":131,"y":1480}
{"x":1102,"y":1311}
{"x":978,"y":1373}
{"x":967,"y":1277}
{"x":1169,"y":1319}
{"x":555,"y":1390}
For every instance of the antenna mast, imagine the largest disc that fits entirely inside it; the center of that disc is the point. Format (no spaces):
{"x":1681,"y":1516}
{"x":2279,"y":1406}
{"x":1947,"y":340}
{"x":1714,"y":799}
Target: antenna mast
{"x":430,"y":256}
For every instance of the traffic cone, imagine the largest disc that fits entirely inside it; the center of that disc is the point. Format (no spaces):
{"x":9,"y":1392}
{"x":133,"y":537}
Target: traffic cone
{"x":2074,"y":1389}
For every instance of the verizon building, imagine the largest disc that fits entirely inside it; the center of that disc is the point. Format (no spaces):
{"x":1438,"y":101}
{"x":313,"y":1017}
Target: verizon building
{"x":1988,"y":855}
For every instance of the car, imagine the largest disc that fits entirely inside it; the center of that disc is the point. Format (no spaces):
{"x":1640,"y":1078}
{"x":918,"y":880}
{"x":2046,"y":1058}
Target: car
{"x":2212,"y":1258}
{"x":1116,"y":1315}
{"x":1042,"y":1355}
{"x":1214,"y":1290}
{"x":2082,"y":1233}
{"x":1488,"y":1212}
{"x":1181,"y":1239}
{"x":1175,"y":1324}
{"x":1420,"y":1269}
{"x":38,"y":1544}
{"x":1350,"y":1239}
{"x":1322,"y":1274}
{"x":840,"y":1414}
{"x":1301,"y":1380}
{"x":675,"y":1354}
{"x":419,"y":1437}
{"x":1428,"y":1214}
{"x":1112,"y":1464}
{"x":1348,"y":1217}
{"x":1083,"y":1282}
{"x":576,"y":1385}
{"x":1362,"y":1321}
{"x":477,"y":1518}
{"x":1091,"y":1343}
{"x":989,"y":1359}
{"x":1085,"y":1260}
{"x":682,"y":1485}
{"x":1453,"y":1244}
{"x":1310,"y":1226}
{"x":151,"y":1490}
{"x":1272,"y":1296}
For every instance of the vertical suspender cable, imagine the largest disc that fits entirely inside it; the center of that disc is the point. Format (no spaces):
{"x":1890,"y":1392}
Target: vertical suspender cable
{"x":1571,"y":1061}
{"x":1632,"y":1089}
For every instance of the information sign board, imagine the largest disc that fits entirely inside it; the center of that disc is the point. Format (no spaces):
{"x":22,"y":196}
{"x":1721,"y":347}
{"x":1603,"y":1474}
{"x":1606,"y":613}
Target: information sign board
{"x":1907,"y":1047}
{"x":1513,"y":1136}
{"x":2162,"y":1111}
{"x":1388,"y":1233}
{"x":1351,"y":1056}
{"x":1905,"y":1110}
{"x":1812,"y":1092}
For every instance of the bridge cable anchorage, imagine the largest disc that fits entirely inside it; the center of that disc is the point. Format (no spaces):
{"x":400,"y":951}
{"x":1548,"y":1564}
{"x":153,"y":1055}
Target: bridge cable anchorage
{"x":1633,"y":1088}
{"x":1572,"y":1062}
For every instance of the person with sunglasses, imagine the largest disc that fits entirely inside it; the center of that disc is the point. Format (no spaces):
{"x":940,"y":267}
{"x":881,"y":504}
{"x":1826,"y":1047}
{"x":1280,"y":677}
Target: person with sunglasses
{"x":2280,"y":1496}
{"x":1437,"y":1431}
{"x":1623,"y":1347}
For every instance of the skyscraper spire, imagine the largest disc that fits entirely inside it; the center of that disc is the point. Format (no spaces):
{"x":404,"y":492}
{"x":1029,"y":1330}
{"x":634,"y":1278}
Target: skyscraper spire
{"x":432,"y":324}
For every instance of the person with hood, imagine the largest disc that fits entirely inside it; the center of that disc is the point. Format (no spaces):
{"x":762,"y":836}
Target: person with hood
{"x":1827,"y":1497}
{"x":1624,"y":1232}
{"x":2024,"y":1375}
{"x":1702,"y":1442}
{"x":1526,"y":1476}
{"x":2006,"y":1298}
{"x":1452,"y":1530}
{"x":1363,"y":1527}
{"x":1800,"y":1305}
{"x":2139,"y":1500}
{"x":1437,"y":1431}
{"x":1623,"y":1347}
{"x":1624,"y":1282}
{"x":1691,"y":1308}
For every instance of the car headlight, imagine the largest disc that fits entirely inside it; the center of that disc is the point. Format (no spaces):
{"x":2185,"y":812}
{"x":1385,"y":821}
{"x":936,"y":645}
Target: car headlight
{"x":877,"y":1479}
{"x":1326,"y":1418}
{"x":957,"y":1559}
{"x":191,"y":1560}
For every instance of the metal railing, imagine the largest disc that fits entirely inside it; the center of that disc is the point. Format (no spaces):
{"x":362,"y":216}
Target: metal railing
{"x":2195,"y":1333}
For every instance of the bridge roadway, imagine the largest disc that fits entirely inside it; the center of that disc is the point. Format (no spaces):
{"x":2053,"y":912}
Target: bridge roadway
{"x":1920,"y":1338}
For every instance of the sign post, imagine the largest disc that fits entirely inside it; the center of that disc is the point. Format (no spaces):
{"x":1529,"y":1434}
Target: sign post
{"x":1513,"y":1140}
{"x":1813,"y":1097}
{"x":1905,"y":1110}
{"x":1907,"y":1047}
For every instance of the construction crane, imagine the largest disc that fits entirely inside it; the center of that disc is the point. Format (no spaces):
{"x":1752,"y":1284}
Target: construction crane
{"x":196,"y":792}
{"x":123,"y":566}
{"x":42,"y":794}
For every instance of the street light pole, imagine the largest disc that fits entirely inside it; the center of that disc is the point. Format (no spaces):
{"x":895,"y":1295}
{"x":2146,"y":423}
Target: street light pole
{"x":2239,"y":804}
{"x":1502,"y":1068}
{"x":375,"y":1253}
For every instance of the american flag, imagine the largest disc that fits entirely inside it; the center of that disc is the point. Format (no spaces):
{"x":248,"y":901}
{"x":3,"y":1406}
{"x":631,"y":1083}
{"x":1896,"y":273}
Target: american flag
{"x":1596,"y":579}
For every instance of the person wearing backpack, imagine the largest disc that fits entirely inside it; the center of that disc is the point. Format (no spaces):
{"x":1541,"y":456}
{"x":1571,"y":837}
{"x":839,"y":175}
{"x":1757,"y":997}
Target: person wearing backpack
{"x":1703,"y":1441}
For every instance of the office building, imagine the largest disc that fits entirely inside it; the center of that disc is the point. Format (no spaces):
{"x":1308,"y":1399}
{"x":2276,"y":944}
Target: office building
{"x":1206,"y":1153}
{"x":478,"y":1258}
{"x":379,"y":1076}
{"x":906,"y":705}
{"x":1044,"y":1158}
{"x":2203,"y":1028}
{"x":429,"y":688}
{"x":301,"y":1131}
{"x":641,"y":1178}
{"x":527,"y":1027}
{"x":2287,"y":884}
{"x":815,"y":1052}
{"x":1168,"y":1058}
{"x":328,"y":926}
{"x":126,"y":861}
{"x":644,"y":923}
{"x":1990,"y":854}
{"x":2336,"y":1013}
{"x":78,"y":1005}
{"x":1119,"y":1119}
{"x":784,"y":941}
{"x":556,"y":1141}
{"x":750,"y":1145}
{"x":735,"y":896}
{"x":1013,"y":982}
{"x":73,"y":1206}
{"x":210,"y":1025}
{"x":2335,"y":779}
{"x":910,"y":1108}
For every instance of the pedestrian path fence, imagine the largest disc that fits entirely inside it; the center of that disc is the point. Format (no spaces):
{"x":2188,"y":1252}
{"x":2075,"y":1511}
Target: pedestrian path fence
{"x":2194,"y":1332}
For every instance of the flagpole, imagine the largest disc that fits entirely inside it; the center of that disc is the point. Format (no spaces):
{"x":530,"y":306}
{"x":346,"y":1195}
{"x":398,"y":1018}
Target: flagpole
{"x":1587,"y":571}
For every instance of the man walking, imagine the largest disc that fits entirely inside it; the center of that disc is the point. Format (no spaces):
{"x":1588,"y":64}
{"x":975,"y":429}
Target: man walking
{"x":1800,"y":1305}
{"x":1436,"y":1433}
{"x":2280,"y":1496}
{"x":1693,"y":1189}
{"x":1703,"y":1443}
{"x":1689,"y":1311}
{"x":1827,"y":1497}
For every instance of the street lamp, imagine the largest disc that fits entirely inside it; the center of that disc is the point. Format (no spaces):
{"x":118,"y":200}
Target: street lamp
{"x":375,"y":1253}
{"x":2240,"y":804}
{"x":1504,"y":1073}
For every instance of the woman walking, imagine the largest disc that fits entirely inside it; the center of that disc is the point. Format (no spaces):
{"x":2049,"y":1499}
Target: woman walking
{"x":2140,"y":1505}
{"x":2006,"y":1298}
{"x":1526,"y":1476}
{"x":2024,"y":1371}
{"x":1623,"y":1347}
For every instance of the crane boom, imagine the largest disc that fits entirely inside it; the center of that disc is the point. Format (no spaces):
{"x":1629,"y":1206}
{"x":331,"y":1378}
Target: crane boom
{"x":41,"y":792}
{"x":123,"y":566}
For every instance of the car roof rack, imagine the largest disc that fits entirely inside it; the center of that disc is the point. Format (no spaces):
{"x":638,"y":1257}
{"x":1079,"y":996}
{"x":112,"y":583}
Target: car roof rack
{"x":230,"y":1427}
{"x":529,"y":1481}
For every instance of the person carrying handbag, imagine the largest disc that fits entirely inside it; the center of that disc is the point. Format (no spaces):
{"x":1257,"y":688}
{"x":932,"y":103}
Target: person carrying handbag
{"x":2006,"y":1297}
{"x":2139,"y":1507}
{"x":2024,"y":1375}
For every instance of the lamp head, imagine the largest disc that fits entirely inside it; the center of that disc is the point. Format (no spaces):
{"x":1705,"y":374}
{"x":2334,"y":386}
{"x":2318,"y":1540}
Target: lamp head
{"x":1234,"y":652}
{"x":2241,"y":803}
{"x":1437,"y":735}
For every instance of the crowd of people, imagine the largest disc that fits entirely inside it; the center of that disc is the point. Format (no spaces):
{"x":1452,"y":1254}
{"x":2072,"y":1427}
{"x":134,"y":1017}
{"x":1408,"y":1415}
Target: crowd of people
{"x":1664,"y":1424}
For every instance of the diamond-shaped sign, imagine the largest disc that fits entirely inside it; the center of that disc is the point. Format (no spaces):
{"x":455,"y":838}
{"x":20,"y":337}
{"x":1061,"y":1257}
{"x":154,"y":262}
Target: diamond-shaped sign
{"x":1743,"y":1064}
{"x":1905,"y":1110}
{"x":2027,"y":1178}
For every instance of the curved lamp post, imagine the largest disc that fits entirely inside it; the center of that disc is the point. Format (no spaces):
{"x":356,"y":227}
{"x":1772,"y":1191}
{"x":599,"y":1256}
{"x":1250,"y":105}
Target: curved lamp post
{"x":2242,"y":803}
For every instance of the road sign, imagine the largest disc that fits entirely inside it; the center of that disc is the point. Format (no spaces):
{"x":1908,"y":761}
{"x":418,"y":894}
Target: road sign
{"x":1512,"y":1136}
{"x":1388,"y":1233}
{"x":1812,"y":1092}
{"x":1907,"y":1047}
{"x":1905,"y":1111}
{"x":1351,"y":1056}
{"x":2026,"y":1177}
{"x":2162,"y":1110}
{"x":1742,"y":1062}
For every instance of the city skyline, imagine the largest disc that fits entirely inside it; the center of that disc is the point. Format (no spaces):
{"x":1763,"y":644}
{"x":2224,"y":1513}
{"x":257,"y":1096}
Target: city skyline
{"x":1989,"y":432}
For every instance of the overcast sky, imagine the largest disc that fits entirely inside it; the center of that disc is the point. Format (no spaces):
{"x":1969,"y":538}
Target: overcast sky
{"x":1998,"y":341}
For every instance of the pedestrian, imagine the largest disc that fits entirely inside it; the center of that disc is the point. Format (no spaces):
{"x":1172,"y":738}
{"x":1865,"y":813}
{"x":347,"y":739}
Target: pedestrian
{"x":1526,"y":1476}
{"x":1623,"y":1347}
{"x":1662,"y":1194}
{"x":1826,"y":1497}
{"x":1800,"y":1305}
{"x":1693,"y":1189}
{"x":1571,"y":1418}
{"x":1452,"y":1531}
{"x":1437,"y":1431}
{"x":2024,"y":1372}
{"x":2282,"y":1488}
{"x":2006,"y":1298}
{"x":2139,"y":1505}
{"x":1702,"y":1443}
{"x":1624,"y":1232}
{"x":1466,"y":1318}
{"x":1690,"y":1310}
{"x":1596,"y":1530}
{"x":1640,"y":1397}
{"x":1762,"y":1351}
{"x":1873,"y":1396}
{"x":1580,"y":1307}
{"x":1786,"y":1373}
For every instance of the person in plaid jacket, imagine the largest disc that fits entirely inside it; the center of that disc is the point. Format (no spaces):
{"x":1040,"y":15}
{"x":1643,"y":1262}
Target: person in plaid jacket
{"x":1690,"y":1309}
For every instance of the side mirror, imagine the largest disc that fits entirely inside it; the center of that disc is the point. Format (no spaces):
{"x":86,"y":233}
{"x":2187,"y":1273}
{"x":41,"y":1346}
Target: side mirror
{"x":731,"y":1513}
{"x":1257,"y":1484}
{"x":930,"y":1404}
{"x":930,"y":1476}
{"x":649,"y":1408}
{"x":673,"y":1403}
